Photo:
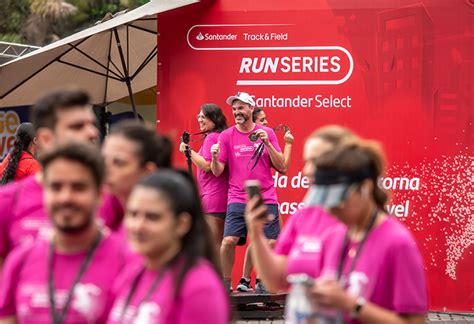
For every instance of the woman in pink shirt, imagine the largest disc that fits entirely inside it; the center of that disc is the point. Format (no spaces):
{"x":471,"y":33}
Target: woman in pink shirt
{"x":131,"y":151}
{"x":298,"y":248}
{"x":372,"y":271}
{"x":213,"y":190}
{"x":21,"y":162}
{"x":178,"y":281}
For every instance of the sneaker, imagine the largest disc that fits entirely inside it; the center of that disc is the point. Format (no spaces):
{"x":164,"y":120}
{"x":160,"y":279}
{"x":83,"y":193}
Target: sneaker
{"x":244,"y":285}
{"x":260,"y":288}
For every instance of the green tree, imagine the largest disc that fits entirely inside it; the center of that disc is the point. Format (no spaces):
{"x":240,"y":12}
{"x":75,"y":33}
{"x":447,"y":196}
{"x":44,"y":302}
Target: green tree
{"x":12,"y":17}
{"x":47,"y":21}
{"x":39,"y":22}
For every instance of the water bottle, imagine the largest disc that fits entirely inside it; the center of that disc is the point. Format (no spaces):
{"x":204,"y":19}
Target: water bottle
{"x":300,"y":308}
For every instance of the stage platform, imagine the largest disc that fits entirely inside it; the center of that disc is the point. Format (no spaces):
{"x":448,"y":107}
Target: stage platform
{"x":250,"y":305}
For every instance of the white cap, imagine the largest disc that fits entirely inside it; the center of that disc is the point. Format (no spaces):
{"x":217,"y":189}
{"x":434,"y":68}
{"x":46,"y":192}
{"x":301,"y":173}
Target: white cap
{"x":242,"y":96}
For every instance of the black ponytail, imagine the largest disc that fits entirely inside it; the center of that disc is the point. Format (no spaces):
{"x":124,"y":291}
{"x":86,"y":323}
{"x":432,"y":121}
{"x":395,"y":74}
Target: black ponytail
{"x":24,"y":136}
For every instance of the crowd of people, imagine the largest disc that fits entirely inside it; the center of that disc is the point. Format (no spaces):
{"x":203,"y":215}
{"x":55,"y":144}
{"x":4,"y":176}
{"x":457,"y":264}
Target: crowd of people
{"x":115,"y":234}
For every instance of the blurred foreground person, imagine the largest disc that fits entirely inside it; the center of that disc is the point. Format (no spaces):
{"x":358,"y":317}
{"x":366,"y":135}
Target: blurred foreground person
{"x":373,"y":271}
{"x":213,"y":190}
{"x":58,"y":117}
{"x":177,"y":282}
{"x":20,"y":162}
{"x":131,"y":151}
{"x":298,"y":249}
{"x":68,"y":277}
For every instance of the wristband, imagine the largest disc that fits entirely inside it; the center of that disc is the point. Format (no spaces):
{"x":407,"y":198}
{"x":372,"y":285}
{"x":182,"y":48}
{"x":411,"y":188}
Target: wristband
{"x":360,"y":302}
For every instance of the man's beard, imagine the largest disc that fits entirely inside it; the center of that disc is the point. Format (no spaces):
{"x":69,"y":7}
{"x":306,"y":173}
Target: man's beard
{"x":74,"y":229}
{"x":245,"y":119}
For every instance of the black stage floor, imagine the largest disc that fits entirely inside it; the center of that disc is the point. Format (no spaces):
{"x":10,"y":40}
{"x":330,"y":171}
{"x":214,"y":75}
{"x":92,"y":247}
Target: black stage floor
{"x":250,"y":305}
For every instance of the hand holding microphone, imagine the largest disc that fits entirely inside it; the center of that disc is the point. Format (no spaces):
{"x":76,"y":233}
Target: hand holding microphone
{"x":182,"y":147}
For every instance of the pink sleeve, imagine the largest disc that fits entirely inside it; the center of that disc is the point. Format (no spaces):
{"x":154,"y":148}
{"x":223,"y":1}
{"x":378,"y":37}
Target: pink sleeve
{"x":203,"y":297}
{"x":210,"y":140}
{"x":332,"y":241}
{"x":410,"y":294}
{"x":111,"y":211}
{"x":223,"y":153}
{"x":9,"y":280}
{"x":287,"y":237}
{"x":7,"y":194}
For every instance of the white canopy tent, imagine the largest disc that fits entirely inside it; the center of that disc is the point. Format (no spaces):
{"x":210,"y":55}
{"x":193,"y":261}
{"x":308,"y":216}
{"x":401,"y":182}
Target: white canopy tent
{"x":111,"y":60}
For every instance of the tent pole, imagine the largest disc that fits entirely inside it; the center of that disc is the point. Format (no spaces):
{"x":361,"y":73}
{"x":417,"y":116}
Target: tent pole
{"x":125,"y":70}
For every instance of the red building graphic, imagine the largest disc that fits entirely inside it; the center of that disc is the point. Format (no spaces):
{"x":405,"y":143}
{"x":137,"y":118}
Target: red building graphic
{"x":405,"y":56}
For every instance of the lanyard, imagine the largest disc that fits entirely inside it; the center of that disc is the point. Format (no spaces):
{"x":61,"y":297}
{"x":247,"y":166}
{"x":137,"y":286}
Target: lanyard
{"x":345,"y":248}
{"x":134,"y":287}
{"x":58,"y":318}
{"x":257,"y":154}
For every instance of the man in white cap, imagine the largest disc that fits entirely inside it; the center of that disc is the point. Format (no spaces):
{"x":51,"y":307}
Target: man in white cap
{"x":249,"y":151}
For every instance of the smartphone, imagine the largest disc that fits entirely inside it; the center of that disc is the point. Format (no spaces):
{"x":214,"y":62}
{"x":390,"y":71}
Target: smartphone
{"x":253,"y":188}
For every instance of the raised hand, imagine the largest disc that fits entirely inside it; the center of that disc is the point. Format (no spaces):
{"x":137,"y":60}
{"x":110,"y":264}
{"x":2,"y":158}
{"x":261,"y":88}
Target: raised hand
{"x":215,"y":149}
{"x":289,"y":139}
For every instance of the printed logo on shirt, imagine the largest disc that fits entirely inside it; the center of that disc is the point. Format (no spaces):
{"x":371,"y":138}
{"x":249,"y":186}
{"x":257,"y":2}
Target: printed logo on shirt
{"x":36,"y":229}
{"x":86,"y":302}
{"x":358,"y":283}
{"x":306,"y":245}
{"x":147,"y":313}
{"x":29,"y":224}
{"x":243,"y":150}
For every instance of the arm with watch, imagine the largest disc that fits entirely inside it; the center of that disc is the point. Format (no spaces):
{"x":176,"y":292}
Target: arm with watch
{"x":329,"y":293}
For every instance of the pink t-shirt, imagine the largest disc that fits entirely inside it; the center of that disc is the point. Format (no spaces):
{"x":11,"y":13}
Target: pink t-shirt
{"x":389,"y":272}
{"x":111,"y":211}
{"x":23,"y":217}
{"x":213,"y":189}
{"x":202,"y":298}
{"x":302,"y":239}
{"x":24,"y":284}
{"x":236,"y":150}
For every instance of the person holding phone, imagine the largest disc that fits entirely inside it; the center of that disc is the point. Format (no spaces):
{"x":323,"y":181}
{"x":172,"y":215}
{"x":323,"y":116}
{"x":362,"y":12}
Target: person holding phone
{"x":213,"y":190}
{"x":298,"y":249}
{"x":249,"y":151}
{"x":372,"y":270}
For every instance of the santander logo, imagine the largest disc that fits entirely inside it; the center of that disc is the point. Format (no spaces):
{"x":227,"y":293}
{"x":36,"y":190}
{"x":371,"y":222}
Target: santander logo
{"x":270,"y":56}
